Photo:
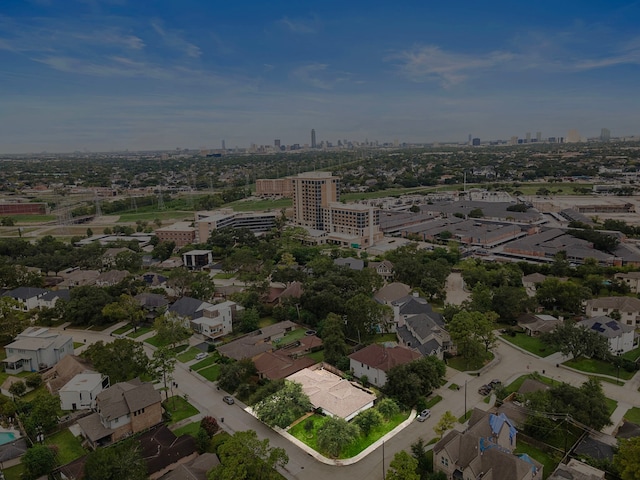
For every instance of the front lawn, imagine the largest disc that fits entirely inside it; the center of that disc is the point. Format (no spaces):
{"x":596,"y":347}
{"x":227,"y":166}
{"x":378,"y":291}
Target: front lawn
{"x":541,"y":456}
{"x":317,"y":356}
{"x":461,"y":364}
{"x":188,"y":429}
{"x":530,"y":344}
{"x":155,"y":341}
{"x":69,"y":447}
{"x":189,"y":354}
{"x":611,"y":405}
{"x":433,"y":401}
{"x":179,"y":408}
{"x":211,"y":373}
{"x":517,"y":383}
{"x":14,"y":473}
{"x":632,"y":355}
{"x":141,"y":331}
{"x":204,"y":363}
{"x":123,"y":329}
{"x":77,"y":345}
{"x":309,"y":437}
{"x":633,"y":415}
{"x":592,"y":365}
{"x":224,"y":276}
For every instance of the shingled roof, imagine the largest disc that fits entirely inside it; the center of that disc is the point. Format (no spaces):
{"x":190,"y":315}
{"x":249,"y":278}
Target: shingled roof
{"x":383,"y":358}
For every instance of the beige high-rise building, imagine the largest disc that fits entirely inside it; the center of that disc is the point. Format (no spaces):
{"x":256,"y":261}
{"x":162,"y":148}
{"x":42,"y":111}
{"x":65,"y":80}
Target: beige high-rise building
{"x":313,"y":191}
{"x":573,"y":136}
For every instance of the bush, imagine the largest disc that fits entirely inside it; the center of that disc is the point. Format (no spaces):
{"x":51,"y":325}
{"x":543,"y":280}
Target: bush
{"x":210,"y":425}
{"x":33,"y":380}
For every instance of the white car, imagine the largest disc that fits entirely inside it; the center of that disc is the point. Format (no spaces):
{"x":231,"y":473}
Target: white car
{"x":201,"y":355}
{"x":423,"y":415}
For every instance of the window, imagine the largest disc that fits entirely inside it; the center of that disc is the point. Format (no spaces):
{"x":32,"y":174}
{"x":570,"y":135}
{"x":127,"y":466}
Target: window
{"x":444,"y":461}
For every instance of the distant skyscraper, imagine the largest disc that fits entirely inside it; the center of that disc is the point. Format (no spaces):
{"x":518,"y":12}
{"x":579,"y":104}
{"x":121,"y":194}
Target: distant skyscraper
{"x":538,"y":136}
{"x":276,"y":143}
{"x":469,"y":140}
{"x":528,"y":136}
{"x":475,"y":142}
{"x":513,"y":140}
{"x":605,"y":135}
{"x":223,"y":145}
{"x":313,"y":138}
{"x":573,"y":136}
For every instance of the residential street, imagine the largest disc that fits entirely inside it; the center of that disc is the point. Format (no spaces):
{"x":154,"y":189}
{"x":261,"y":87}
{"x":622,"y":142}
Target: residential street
{"x":509,"y":364}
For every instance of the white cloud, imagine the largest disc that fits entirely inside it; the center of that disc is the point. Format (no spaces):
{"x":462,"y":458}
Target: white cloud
{"x":299,"y":26}
{"x":319,"y":76}
{"x":432,"y":63}
{"x":173,"y":40}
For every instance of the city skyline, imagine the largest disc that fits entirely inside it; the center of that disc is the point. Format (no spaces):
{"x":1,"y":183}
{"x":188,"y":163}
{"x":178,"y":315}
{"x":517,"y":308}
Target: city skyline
{"x":116,"y":75}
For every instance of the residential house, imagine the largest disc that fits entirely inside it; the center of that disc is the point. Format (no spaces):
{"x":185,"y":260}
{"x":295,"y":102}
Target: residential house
{"x":195,"y":469}
{"x":111,"y":278}
{"x":391,"y":293}
{"x":576,"y":470}
{"x":374,"y":361}
{"x":632,"y":279}
{"x":35,"y":349}
{"x":110,"y":255}
{"x":49,"y":299}
{"x":209,"y":320}
{"x":530,"y":282}
{"x":81,"y":391}
{"x":122,"y":410}
{"x":78,"y":278}
{"x":484,"y":450}
{"x":197,"y":259}
{"x":627,"y":307}
{"x":350,"y":262}
{"x":63,"y":371}
{"x":257,"y":342}
{"x":164,"y":452}
{"x":335,"y":396}
{"x":152,"y":303}
{"x":420,"y":328}
{"x":287,"y":359}
{"x":535,"y":325}
{"x":384,"y":269}
{"x":621,"y":337}
{"x":28,"y":298}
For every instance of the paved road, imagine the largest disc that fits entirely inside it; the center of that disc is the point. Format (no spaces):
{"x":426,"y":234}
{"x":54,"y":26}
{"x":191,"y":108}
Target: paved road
{"x":510,"y":363}
{"x":456,"y":293}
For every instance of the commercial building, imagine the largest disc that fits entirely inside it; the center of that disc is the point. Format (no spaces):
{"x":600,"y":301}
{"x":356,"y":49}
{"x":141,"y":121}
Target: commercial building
{"x":274,"y":187}
{"x":256,"y":222}
{"x":182,"y":233}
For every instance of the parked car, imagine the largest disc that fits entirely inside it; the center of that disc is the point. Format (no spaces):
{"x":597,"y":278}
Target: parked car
{"x":484,"y":390}
{"x":423,"y":415}
{"x":495,"y":383}
{"x":228,"y":399}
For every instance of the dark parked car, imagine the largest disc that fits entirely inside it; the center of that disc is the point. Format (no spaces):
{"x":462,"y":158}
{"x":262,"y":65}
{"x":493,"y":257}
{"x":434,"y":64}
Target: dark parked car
{"x":484,"y":390}
{"x":228,"y":399}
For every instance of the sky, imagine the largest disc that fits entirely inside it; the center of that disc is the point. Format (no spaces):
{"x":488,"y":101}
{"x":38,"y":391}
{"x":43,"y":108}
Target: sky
{"x":105,"y":75}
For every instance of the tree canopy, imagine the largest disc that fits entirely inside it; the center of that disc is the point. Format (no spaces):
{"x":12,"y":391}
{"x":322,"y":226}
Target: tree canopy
{"x":409,"y":382}
{"x":283,"y":407}
{"x":121,"y":360}
{"x":573,"y":339}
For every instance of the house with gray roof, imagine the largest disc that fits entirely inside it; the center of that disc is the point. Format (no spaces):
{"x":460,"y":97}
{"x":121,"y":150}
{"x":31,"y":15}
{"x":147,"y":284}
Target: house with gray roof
{"x":256,"y":342}
{"x":627,"y":307}
{"x":210,"y":320}
{"x":36,"y":349}
{"x":27,"y":297}
{"x":621,"y":337}
{"x":632,"y":279}
{"x":350,"y":262}
{"x":484,"y":450}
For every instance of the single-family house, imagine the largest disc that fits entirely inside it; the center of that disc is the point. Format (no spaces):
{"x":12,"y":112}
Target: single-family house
{"x":621,"y":337}
{"x":350,"y":262}
{"x":256,"y":342}
{"x":110,"y":255}
{"x":627,"y":307}
{"x":195,"y":469}
{"x":111,"y":278}
{"x":384,"y":269}
{"x":210,"y":320}
{"x":197,"y":259}
{"x":391,"y":293}
{"x":63,"y":371}
{"x":537,"y":324}
{"x":374,"y":361}
{"x":632,"y":279}
{"x":28,"y":298}
{"x":35,"y":349}
{"x":81,"y":391}
{"x":78,"y":278}
{"x":164,"y":452}
{"x":530,"y":282}
{"x":122,"y":410}
{"x":484,"y":450}
{"x":576,"y":470}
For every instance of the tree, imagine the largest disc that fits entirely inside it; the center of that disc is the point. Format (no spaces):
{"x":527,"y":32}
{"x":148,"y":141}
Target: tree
{"x":121,"y":360}
{"x":232,"y":375}
{"x":627,"y":459}
{"x":403,"y":467}
{"x":164,"y":364}
{"x":39,"y":460}
{"x":203,"y":440}
{"x":388,"y":408}
{"x":446,"y":422}
{"x":419,"y":451}
{"x":409,"y":382}
{"x":202,"y":286}
{"x":122,"y":461}
{"x":18,"y":389}
{"x":335,"y":434}
{"x":12,"y":320}
{"x":365,"y":316}
{"x":163,"y":250}
{"x":124,"y":309}
{"x":283,"y":407}
{"x":573,"y":339}
{"x":127,"y":260}
{"x":171,"y":329}
{"x":249,"y":320}
{"x":472,"y":332}
{"x":85,"y":305}
{"x":41,"y":413}
{"x":33,"y":380}
{"x":553,"y":294}
{"x":333,"y":340}
{"x":368,"y":420}
{"x":244,"y":457}
{"x":210,"y":425}
{"x":476,"y":213}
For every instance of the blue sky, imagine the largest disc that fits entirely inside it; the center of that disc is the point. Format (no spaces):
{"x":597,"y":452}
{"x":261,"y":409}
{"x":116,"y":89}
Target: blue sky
{"x":154,"y":74}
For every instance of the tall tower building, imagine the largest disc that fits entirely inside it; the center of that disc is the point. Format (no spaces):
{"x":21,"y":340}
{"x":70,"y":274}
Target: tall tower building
{"x":573,"y":136}
{"x":538,"y":137}
{"x":313,"y":138}
{"x":276,"y":143}
{"x":528,"y":137}
{"x":223,"y":145}
{"x":312,"y":193}
{"x":605,"y":135}
{"x":469,"y":140}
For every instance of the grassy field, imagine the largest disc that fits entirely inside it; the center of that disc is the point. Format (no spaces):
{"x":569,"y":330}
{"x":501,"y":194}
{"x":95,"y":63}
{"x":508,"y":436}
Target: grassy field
{"x":150,"y":216}
{"x":188,"y":355}
{"x":611,"y":405}
{"x":463,"y":365}
{"x":291,"y":337}
{"x":211,"y":373}
{"x":224,"y":276}
{"x":179,"y":408}
{"x":204,"y":363}
{"x":517,"y":383}
{"x":632,"y":354}
{"x":633,"y":415}
{"x":188,"y":429}
{"x":141,"y":331}
{"x":317,"y":356}
{"x":155,"y":341}
{"x":266,"y":204}
{"x":592,"y":365}
{"x":122,"y":329}
{"x":433,"y":401}
{"x":14,"y":473}
{"x":32,"y":219}
{"x":69,"y":447}
{"x":530,"y":344}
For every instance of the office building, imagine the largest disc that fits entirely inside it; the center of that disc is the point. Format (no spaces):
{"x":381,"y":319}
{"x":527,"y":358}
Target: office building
{"x":605,"y":135}
{"x":316,"y":204}
{"x":223,"y":147}
{"x":475,"y":142}
{"x":274,"y":187}
{"x":528,"y":137}
{"x":256,"y":222}
{"x":573,"y":136}
{"x":538,"y":137}
{"x":313,"y":138}
{"x":276,"y":143}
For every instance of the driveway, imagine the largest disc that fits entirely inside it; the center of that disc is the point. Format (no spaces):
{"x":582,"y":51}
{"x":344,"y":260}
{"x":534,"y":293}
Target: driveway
{"x":456,"y":294}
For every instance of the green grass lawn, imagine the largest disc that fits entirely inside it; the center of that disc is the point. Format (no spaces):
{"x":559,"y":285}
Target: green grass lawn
{"x":592,"y":365}
{"x":317,"y":356}
{"x":14,"y":473}
{"x":632,"y":354}
{"x":385,"y":337}
{"x":517,"y":383}
{"x":210,"y":373}
{"x":354,"y":448}
{"x":266,"y":321}
{"x":188,"y":429}
{"x":546,"y":459}
{"x":32,"y":218}
{"x":152,"y":215}
{"x":291,"y":337}
{"x":463,"y":418}
{"x":69,"y":447}
{"x":155,"y":341}
{"x":463,"y":365}
{"x":141,"y":331}
{"x":633,"y":415}
{"x":122,"y":329}
{"x":611,"y":405}
{"x":77,"y":345}
{"x":210,"y":360}
{"x":224,"y":276}
{"x":454,"y":386}
{"x":179,"y":408}
{"x":100,"y":328}
{"x":188,"y":354}
{"x":433,"y":401}
{"x":530,"y":344}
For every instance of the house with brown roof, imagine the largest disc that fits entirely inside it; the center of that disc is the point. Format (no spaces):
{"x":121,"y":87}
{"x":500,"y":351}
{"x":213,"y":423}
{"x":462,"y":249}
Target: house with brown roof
{"x":64,"y":371}
{"x":530,"y":282}
{"x":121,"y":410}
{"x":627,"y":307}
{"x":256,"y":342}
{"x":392,"y":292}
{"x":484,"y":450}
{"x":375,"y":360}
{"x":537,"y":324}
{"x":111,"y":278}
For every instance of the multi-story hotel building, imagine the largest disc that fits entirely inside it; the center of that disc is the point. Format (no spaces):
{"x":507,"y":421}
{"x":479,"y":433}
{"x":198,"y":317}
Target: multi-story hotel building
{"x":257,"y":222}
{"x":274,"y":187}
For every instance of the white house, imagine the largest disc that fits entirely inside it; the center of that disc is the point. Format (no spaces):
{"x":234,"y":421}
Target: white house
{"x":215,"y":320}
{"x":621,"y":337}
{"x":631,"y":278}
{"x":627,"y":307}
{"x":81,"y":391}
{"x":27,"y":297}
{"x":375,"y":360}
{"x":36,"y":349}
